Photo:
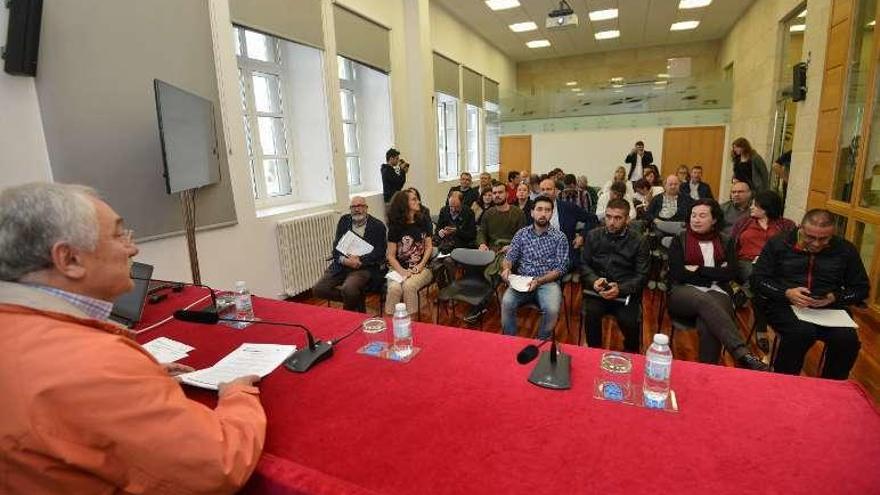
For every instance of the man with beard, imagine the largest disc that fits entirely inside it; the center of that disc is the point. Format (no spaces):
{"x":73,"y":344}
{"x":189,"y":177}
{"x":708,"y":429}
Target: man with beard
{"x":540,"y":252}
{"x":498,"y":225}
{"x":348,"y":276}
{"x":614,"y":271}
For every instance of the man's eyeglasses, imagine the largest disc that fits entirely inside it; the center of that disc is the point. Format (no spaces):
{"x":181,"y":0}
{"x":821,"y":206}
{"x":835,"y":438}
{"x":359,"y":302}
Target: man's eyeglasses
{"x":354,"y":207}
{"x":125,"y":235}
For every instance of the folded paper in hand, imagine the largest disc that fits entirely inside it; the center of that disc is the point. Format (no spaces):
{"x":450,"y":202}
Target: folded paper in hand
{"x":519,"y":282}
{"x":248,"y":359}
{"x":353,"y":245}
{"x":834,"y":318}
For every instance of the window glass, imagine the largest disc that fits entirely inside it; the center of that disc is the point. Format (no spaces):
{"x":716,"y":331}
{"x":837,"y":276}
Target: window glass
{"x":259,"y":46}
{"x":277,"y":175}
{"x":866,"y":241}
{"x":473,"y":139}
{"x":267,"y":93}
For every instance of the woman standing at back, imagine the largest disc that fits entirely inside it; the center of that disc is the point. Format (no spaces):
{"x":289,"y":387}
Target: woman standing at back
{"x":748,"y":166}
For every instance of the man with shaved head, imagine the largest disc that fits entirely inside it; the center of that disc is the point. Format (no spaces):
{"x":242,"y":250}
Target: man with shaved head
{"x":349,"y":276}
{"x":811,"y":267}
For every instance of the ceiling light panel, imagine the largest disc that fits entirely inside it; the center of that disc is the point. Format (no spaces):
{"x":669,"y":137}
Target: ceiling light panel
{"x":797,"y":28}
{"x":693,"y":4}
{"x":684,"y":25}
{"x":571,"y":83}
{"x":538,"y":43}
{"x":603,"y":15}
{"x":607,"y":35}
{"x":502,"y":4}
{"x":522,"y":27}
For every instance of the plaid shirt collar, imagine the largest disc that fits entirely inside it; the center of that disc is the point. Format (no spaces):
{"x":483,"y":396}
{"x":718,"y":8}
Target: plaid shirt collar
{"x":93,"y":308}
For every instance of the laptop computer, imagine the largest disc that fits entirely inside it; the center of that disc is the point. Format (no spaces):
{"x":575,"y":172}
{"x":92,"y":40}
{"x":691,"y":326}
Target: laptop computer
{"x":128,"y":308}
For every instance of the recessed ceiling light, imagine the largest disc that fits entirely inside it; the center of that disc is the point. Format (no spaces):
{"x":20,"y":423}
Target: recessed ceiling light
{"x":603,"y":15}
{"x":616,"y":79}
{"x":575,"y":89}
{"x":797,"y":28}
{"x":872,"y":23}
{"x":580,"y":94}
{"x":502,"y":4}
{"x":521,"y":27}
{"x":803,"y":14}
{"x":663,"y":76}
{"x":660,"y":83}
{"x":617,"y":85}
{"x":571,"y":83}
{"x":684,"y":25}
{"x":538,"y":43}
{"x":607,"y":35}
{"x":693,"y":4}
{"x":617,"y":91}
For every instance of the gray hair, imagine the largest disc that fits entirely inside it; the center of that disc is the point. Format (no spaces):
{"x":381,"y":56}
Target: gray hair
{"x":36,"y":216}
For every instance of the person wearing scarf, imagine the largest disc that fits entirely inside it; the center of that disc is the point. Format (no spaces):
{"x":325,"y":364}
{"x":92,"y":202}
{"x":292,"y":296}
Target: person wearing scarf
{"x":701,"y":262}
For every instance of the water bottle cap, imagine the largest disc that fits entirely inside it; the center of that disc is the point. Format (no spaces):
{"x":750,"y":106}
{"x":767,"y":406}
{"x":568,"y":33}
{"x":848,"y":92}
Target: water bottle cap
{"x":400,"y":307}
{"x":240,"y":285}
{"x":661,"y":339}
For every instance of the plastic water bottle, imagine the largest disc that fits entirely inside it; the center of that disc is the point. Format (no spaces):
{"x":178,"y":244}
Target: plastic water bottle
{"x":244,"y":306}
{"x":658,"y":367}
{"x":402,"y":324}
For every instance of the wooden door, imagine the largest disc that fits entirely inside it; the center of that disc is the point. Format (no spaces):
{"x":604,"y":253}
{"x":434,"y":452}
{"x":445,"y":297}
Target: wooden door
{"x":691,"y":146}
{"x":516,"y":154}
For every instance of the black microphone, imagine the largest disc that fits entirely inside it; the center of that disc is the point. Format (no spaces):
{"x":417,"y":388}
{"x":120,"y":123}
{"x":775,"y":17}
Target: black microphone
{"x":530,"y":352}
{"x":300,"y":361}
{"x":172,"y":283}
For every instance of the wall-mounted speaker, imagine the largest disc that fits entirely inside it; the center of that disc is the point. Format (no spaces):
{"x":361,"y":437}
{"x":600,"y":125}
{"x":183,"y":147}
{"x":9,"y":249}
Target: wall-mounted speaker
{"x":799,"y":82}
{"x":23,"y":37}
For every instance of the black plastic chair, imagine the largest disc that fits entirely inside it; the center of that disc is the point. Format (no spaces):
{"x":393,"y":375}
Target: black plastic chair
{"x":471,"y":287}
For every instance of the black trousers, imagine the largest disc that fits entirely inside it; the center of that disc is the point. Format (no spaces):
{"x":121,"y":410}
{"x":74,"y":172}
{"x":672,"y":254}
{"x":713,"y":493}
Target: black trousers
{"x":715,"y":320}
{"x":627,"y":316}
{"x":352,"y":288}
{"x":841,"y":344}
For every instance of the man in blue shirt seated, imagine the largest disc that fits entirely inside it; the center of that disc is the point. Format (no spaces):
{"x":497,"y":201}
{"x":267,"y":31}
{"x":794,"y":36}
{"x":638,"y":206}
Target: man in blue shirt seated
{"x":538,"y":251}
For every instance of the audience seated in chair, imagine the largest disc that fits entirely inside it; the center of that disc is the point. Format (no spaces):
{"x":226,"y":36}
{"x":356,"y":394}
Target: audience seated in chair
{"x":701,"y":266}
{"x":469,"y":195}
{"x":408,"y":253}
{"x":349,"y":277}
{"x":86,"y":409}
{"x":539,"y":251}
{"x":750,"y":235}
{"x":694,"y":187}
{"x":497,"y":227}
{"x":523,"y":202}
{"x":614,"y":266}
{"x":811,"y":267}
{"x":672,"y":205}
{"x":565,"y":218}
{"x":737,"y":207}
{"x":616,"y":191}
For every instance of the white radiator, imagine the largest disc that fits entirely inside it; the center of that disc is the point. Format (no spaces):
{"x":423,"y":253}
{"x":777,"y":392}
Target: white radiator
{"x":304,"y":245}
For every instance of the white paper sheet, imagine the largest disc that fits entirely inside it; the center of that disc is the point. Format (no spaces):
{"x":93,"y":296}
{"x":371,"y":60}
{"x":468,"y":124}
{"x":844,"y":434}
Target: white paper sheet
{"x":519,"y":282}
{"x":166,"y":350}
{"x":824,"y":317}
{"x":352,"y":245}
{"x":393,"y":276}
{"x":248,"y":359}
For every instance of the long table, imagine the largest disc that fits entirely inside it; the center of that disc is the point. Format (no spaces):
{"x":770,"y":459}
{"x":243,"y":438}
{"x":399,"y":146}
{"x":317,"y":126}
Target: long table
{"x":461,"y":418}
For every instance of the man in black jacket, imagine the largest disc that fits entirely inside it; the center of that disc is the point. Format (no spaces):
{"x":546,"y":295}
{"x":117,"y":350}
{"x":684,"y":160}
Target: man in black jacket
{"x":469,"y":194}
{"x":637,"y":159}
{"x":393,"y":174}
{"x":811,"y":268}
{"x":348,"y":277}
{"x":455,"y":226}
{"x":695,"y":187}
{"x":672,"y":205}
{"x":615,"y":264}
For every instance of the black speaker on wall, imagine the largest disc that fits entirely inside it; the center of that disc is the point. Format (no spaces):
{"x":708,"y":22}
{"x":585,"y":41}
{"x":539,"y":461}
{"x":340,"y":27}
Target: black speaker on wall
{"x":799,"y":82}
{"x":23,"y":37}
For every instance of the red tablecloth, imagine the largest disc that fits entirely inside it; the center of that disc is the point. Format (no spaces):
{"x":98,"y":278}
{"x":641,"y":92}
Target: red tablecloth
{"x":461,"y":418}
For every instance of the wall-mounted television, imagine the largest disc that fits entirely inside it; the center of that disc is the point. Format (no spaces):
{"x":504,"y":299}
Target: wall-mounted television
{"x":188,"y":136}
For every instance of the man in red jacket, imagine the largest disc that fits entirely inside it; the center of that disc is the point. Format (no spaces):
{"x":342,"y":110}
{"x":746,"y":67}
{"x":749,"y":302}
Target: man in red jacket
{"x":86,"y":409}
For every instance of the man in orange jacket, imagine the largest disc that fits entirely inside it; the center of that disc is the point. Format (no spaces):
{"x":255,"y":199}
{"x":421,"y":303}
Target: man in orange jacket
{"x":85,"y":408}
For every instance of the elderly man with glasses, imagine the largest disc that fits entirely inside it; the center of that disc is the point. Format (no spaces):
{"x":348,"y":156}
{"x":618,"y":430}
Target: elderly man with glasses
{"x":349,"y":276}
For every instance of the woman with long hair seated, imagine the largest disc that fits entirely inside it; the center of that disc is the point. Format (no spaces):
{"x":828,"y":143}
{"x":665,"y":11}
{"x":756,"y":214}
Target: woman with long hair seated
{"x":522,"y":199}
{"x":701,"y":266}
{"x":619,"y":176}
{"x":409,"y":250}
{"x":482,"y":204}
{"x":749,"y":235}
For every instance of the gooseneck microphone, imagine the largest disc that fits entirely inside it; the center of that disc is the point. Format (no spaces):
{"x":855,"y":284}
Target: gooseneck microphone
{"x":173,"y":283}
{"x":530,"y":352}
{"x":553,"y":369}
{"x":300,"y":361}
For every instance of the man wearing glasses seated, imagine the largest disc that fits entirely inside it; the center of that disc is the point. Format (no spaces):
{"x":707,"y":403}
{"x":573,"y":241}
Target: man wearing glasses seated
{"x":350,"y":275}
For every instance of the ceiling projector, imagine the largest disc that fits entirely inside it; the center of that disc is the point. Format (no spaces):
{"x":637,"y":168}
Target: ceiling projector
{"x":562,"y":17}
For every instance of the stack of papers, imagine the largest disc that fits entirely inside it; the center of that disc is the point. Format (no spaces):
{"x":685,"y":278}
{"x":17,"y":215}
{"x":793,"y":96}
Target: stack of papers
{"x":166,"y":350}
{"x":835,"y":318}
{"x":352,"y":245}
{"x":248,"y":359}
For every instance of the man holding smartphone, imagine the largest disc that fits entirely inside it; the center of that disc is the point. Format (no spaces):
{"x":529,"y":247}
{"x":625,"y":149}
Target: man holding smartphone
{"x":811,"y":267}
{"x":456,"y":227}
{"x":615,"y":263}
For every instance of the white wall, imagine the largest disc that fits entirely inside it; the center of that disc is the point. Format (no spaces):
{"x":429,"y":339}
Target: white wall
{"x":23,"y":154}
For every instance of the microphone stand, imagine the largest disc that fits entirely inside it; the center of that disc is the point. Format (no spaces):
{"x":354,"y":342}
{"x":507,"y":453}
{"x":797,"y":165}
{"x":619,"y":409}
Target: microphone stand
{"x":553,"y":369}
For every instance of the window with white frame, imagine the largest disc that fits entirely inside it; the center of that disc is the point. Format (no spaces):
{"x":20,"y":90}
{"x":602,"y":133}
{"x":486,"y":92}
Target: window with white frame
{"x":447,"y":139}
{"x":472,"y":116}
{"x":265,"y":111}
{"x":493,"y":136}
{"x":350,"y":136}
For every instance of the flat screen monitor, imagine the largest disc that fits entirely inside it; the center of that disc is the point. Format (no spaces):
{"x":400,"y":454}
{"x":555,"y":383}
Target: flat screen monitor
{"x":128,"y":308}
{"x":189,"y":140}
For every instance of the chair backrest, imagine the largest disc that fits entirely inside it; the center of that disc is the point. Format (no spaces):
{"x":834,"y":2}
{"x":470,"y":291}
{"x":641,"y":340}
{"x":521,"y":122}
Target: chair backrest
{"x":473,"y":257}
{"x":669,"y":227}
